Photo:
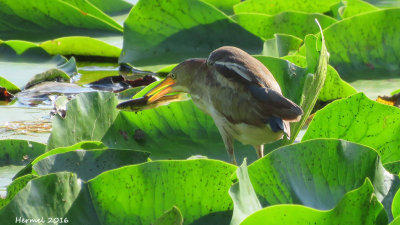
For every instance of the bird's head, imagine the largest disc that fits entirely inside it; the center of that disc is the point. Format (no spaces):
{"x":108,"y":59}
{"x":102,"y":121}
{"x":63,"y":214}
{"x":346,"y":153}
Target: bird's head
{"x":178,"y":80}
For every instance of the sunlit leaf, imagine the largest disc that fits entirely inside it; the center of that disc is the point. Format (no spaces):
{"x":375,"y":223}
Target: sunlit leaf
{"x":146,"y":191}
{"x":165,"y":32}
{"x":19,"y":152}
{"x":361,"y":120}
{"x":44,"y":19}
{"x":277,"y":6}
{"x":357,"y":207}
{"x":9,"y":86}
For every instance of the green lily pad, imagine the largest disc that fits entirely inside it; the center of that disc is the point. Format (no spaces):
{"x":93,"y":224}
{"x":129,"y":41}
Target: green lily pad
{"x":146,"y":191}
{"x":17,"y":50}
{"x":15,"y":187}
{"x":281,"y":45}
{"x":203,"y":197}
{"x":175,"y":131}
{"x":49,"y":75}
{"x":361,"y":120}
{"x":44,"y":19}
{"x":365,"y":43}
{"x":88,"y":164}
{"x":19,"y":46}
{"x":357,"y":207}
{"x":276,"y":6}
{"x":85,"y":145}
{"x":8,"y":85}
{"x":88,"y":117}
{"x":54,"y":196}
{"x":19,"y":152}
{"x":165,"y":32}
{"x":298,"y":24}
{"x":81,"y":47}
{"x":300,"y":173}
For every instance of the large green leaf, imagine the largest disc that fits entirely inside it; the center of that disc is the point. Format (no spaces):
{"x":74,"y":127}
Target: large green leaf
{"x":334,"y":87}
{"x":48,"y":196}
{"x":277,"y":6}
{"x":178,"y":130}
{"x":366,"y":42}
{"x":17,"y":49}
{"x":165,"y":32}
{"x":294,"y":23}
{"x":317,"y":173}
{"x":361,"y":120}
{"x":88,"y":118}
{"x":44,"y":19}
{"x":88,"y":164}
{"x":81,"y":47}
{"x":358,"y":207}
{"x":19,"y":152}
{"x":199,"y":188}
{"x":85,"y":145}
{"x":18,"y":46}
{"x":15,"y":187}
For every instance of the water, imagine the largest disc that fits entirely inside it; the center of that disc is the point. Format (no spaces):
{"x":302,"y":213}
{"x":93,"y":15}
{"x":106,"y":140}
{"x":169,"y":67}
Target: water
{"x":375,"y":88}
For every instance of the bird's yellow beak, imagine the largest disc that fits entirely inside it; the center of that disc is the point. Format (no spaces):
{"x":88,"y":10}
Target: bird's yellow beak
{"x":160,"y":90}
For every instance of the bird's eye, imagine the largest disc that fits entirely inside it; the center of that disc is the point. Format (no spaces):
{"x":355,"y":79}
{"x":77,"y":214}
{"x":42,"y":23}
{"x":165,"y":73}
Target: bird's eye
{"x":173,"y":76}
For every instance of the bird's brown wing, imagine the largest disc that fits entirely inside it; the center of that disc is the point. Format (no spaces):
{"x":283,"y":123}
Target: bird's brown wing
{"x":275,"y":103}
{"x":237,"y":65}
{"x":253,"y":105}
{"x":247,"y":92}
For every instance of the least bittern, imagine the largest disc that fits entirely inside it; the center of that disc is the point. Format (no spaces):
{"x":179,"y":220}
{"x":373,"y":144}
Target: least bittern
{"x":238,"y":92}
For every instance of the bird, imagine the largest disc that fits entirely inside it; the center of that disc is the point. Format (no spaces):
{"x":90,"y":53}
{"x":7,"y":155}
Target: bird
{"x":238,"y":92}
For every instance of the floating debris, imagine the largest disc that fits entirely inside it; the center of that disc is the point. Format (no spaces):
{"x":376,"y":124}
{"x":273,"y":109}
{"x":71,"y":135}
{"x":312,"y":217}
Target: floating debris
{"x":24,"y":127}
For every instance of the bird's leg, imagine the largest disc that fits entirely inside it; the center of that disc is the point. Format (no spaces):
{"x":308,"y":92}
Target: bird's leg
{"x":228,"y":142}
{"x":260,"y":150}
